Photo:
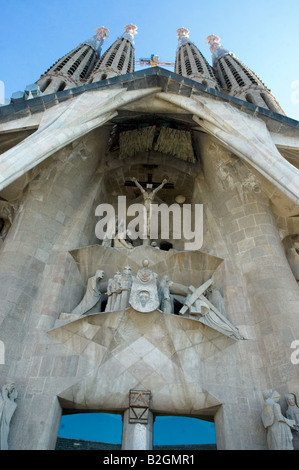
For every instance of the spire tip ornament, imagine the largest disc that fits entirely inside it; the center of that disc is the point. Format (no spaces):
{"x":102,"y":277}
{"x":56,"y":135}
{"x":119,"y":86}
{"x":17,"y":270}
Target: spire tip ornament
{"x":182,"y":33}
{"x":215,"y":47}
{"x":130,"y":30}
{"x":213,"y":41}
{"x":102,"y":33}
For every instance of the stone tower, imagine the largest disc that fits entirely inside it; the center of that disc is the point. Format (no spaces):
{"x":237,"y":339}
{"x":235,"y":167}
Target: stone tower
{"x":119,"y":58}
{"x":195,"y":315}
{"x":75,"y":67}
{"x":238,"y":80}
{"x":191,"y":63}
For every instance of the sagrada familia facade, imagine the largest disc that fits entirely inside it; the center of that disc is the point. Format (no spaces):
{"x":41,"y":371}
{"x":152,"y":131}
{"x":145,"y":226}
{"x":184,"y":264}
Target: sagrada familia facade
{"x":198,"y":317}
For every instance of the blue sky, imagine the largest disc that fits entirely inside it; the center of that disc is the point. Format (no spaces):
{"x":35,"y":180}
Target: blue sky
{"x":167,"y":430}
{"x":264,"y":34}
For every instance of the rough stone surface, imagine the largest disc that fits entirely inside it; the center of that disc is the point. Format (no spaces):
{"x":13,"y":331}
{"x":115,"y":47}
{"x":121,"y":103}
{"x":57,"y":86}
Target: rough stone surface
{"x":51,"y":250}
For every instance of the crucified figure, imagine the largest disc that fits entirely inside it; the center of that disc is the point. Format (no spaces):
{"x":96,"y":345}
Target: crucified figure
{"x":148,"y":197}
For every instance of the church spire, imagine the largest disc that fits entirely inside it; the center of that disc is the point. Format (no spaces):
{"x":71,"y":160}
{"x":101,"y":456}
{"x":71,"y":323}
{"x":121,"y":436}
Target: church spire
{"x":191,"y":63}
{"x":119,"y":58}
{"x":238,"y":80}
{"x":75,"y":67}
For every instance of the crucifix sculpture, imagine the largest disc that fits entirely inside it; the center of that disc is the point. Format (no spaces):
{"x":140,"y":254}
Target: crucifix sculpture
{"x":148,"y":197}
{"x":148,"y":190}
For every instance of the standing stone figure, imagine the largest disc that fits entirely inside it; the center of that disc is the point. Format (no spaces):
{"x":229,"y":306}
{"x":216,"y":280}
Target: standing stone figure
{"x":114,"y":292}
{"x":279,"y":435}
{"x":126,"y":284}
{"x":92,"y":296}
{"x":7,"y":409}
{"x":165,"y":298}
{"x":292,"y":411}
{"x":109,"y":293}
{"x":117,"y":291}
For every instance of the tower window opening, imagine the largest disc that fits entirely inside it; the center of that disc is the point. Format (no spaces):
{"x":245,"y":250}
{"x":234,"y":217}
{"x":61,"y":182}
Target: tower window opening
{"x":87,"y":67}
{"x":45,"y":84}
{"x":249,"y":98}
{"x":235,"y":73}
{"x":70,"y":55}
{"x":268,"y":102}
{"x":225,"y":76}
{"x":76,"y":64}
{"x":121,"y":61}
{"x":111,"y":58}
{"x":196,"y":60}
{"x":131,"y":61}
{"x":61,"y":86}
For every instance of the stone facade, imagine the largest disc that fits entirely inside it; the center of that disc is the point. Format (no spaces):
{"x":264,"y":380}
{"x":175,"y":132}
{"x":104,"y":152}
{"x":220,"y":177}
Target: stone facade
{"x":58,"y":175}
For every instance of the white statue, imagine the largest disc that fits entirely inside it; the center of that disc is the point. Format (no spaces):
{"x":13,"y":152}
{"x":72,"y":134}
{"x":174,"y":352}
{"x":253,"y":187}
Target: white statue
{"x":279,"y":435}
{"x":148,"y":198}
{"x":118,"y":290}
{"x":93,"y":295}
{"x":292,"y":411}
{"x":198,"y":306}
{"x":114,"y":292}
{"x":165,"y":298}
{"x":7,"y":409}
{"x":195,"y":306}
{"x":110,"y":295}
{"x":216,"y":298}
{"x":126,"y":285}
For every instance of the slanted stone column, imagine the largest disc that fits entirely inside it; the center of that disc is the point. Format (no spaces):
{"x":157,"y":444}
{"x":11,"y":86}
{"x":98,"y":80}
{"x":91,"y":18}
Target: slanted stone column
{"x":38,"y":276}
{"x":256,"y":270}
{"x":138,"y":422}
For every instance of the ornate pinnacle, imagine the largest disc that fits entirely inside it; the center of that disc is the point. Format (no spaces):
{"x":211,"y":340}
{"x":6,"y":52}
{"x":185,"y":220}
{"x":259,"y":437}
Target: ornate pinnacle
{"x":131,"y":30}
{"x":102,"y":33}
{"x":213,"y":41}
{"x":182,"y":33}
{"x":215,"y":47}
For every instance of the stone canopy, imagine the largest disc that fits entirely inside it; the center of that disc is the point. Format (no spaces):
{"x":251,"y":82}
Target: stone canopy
{"x":58,"y":120}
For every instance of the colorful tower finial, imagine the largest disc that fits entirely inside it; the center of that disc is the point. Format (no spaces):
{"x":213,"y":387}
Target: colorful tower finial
{"x":215,"y":47}
{"x":97,"y":40}
{"x":130,"y":31}
{"x":102,"y":33}
{"x":191,"y":63}
{"x":213,"y":41}
{"x":183,"y":35}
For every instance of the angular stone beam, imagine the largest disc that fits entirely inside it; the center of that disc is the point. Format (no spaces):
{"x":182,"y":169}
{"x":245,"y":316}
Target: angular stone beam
{"x":62,"y":125}
{"x":245,"y":136}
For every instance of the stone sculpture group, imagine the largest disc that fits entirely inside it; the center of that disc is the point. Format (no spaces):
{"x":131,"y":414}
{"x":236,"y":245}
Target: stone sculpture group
{"x":145,"y":292}
{"x":279,"y":427}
